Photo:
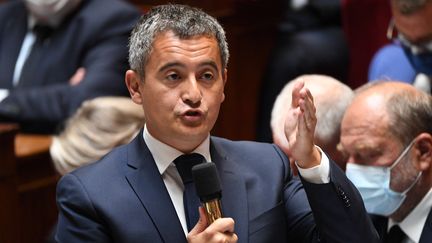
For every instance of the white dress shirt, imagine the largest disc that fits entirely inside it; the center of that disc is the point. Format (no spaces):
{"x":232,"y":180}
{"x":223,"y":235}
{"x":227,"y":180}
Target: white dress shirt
{"x":25,"y":50}
{"x":164,"y":155}
{"x":413,"y":224}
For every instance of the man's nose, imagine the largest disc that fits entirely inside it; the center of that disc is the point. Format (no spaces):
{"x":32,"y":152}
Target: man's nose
{"x":192,"y":93}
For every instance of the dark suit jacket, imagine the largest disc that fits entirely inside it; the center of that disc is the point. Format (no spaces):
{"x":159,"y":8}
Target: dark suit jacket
{"x":122,"y":198}
{"x":381,"y":223}
{"x":94,"y":37}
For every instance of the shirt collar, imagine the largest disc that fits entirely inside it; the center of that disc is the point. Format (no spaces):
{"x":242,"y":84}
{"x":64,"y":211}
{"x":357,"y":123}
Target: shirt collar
{"x":31,"y":22}
{"x":413,"y":224}
{"x":164,"y":154}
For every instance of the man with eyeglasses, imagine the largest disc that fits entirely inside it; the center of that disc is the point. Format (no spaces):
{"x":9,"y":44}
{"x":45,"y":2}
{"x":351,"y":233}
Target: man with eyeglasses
{"x":409,"y":57}
{"x":386,"y":134}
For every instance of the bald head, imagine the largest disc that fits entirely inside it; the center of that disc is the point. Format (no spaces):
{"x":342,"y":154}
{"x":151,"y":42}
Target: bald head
{"x":395,"y":108}
{"x":331,"y":97}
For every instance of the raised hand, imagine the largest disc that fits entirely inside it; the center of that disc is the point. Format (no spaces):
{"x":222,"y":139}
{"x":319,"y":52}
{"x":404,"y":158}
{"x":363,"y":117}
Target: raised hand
{"x":300,"y":128}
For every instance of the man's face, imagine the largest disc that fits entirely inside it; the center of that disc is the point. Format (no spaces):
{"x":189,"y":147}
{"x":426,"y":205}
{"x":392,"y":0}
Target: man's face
{"x":182,"y":90}
{"x":365,"y":138}
{"x":415,"y":27}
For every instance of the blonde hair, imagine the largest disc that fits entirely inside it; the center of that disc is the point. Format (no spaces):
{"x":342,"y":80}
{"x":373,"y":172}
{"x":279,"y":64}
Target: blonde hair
{"x":97,"y":127}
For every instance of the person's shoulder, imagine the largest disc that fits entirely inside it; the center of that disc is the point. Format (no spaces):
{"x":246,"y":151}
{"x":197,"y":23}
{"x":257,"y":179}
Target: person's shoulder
{"x":108,"y":166}
{"x":391,"y":63}
{"x":254,"y":159}
{"x":109,"y":9}
{"x":104,"y":18}
{"x":11,"y":7}
{"x":239,"y":143}
{"x":250,"y":149}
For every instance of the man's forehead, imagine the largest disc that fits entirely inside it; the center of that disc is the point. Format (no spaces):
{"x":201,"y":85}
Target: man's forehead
{"x":172,"y":34}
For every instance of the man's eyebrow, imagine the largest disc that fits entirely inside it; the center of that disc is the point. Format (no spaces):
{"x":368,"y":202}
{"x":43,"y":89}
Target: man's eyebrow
{"x":370,"y":148}
{"x":210,"y":63}
{"x":174,"y":64}
{"x":170,"y":65}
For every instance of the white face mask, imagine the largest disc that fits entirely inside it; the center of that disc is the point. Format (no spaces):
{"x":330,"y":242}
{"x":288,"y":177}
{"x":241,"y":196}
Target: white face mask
{"x":51,"y":12}
{"x":373,"y":183}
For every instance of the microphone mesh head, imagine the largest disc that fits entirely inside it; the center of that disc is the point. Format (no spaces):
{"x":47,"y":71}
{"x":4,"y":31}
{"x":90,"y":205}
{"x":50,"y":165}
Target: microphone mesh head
{"x":206,"y":181}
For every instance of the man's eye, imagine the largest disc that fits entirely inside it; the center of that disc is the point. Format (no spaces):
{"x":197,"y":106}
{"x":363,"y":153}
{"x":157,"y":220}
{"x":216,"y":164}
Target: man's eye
{"x":207,"y":76}
{"x":173,"y":77}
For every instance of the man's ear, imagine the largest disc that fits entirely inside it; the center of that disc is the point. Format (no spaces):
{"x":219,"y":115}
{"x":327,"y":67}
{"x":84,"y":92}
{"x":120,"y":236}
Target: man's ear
{"x":133,"y":83}
{"x":224,"y":78}
{"x":423,"y":151}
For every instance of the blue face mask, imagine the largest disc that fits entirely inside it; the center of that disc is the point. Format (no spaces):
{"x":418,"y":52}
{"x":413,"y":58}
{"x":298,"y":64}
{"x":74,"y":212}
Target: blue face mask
{"x":373,"y":183}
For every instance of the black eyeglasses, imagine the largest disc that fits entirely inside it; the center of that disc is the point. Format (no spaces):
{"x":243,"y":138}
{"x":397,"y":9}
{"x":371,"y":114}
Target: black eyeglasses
{"x":414,"y":48}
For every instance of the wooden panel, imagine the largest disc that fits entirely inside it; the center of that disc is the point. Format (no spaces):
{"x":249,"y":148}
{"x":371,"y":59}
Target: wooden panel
{"x":251,"y":33}
{"x":27,"y":187}
{"x":8,"y":194}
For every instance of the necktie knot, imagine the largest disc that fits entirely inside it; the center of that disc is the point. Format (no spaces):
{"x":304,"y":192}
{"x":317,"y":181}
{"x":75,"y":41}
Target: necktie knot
{"x":395,"y":235}
{"x":42,"y":31}
{"x":184,"y":164}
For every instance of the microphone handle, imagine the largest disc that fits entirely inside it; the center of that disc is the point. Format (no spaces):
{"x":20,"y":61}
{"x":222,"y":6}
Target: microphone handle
{"x":213,"y":210}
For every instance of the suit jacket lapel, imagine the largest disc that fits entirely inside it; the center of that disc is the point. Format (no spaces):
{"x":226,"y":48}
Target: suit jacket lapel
{"x":380,"y":223}
{"x":234,"y":195}
{"x":426,"y":235}
{"x":144,"y":178}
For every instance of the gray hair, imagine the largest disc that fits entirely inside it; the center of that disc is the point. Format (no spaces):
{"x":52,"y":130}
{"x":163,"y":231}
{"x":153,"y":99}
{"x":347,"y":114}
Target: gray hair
{"x":184,"y":21}
{"x":410,"y":114}
{"x":98,"y":126}
{"x":407,"y":7}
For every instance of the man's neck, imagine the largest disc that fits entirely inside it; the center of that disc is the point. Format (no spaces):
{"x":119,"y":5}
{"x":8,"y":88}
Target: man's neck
{"x":413,"y":198}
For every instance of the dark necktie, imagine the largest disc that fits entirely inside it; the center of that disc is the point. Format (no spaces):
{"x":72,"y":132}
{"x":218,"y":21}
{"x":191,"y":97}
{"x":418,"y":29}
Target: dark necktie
{"x":31,"y":64}
{"x":395,"y":235}
{"x":184,"y":164}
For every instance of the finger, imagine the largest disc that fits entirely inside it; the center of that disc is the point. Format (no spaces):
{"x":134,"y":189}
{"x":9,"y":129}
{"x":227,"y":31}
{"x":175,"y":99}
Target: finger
{"x":308,"y":119}
{"x":296,"y":93}
{"x":302,"y":125}
{"x":232,"y":238}
{"x":78,"y":76}
{"x":308,"y":108}
{"x":225,"y":225}
{"x":201,"y":224}
{"x":309,"y":94}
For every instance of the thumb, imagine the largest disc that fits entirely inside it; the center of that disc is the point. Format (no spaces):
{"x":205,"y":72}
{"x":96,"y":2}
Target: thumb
{"x":201,"y":224}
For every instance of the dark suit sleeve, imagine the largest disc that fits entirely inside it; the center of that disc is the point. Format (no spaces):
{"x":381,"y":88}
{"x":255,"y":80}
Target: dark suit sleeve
{"x":78,"y":220}
{"x":104,"y":57}
{"x":105,"y":64}
{"x":338,"y":210}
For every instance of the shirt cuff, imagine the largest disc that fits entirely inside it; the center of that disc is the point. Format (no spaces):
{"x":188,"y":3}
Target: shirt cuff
{"x":319,"y":174}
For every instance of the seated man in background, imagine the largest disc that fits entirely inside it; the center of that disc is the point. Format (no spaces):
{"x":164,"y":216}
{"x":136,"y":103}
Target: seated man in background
{"x":137,"y":193}
{"x":331,"y":98}
{"x":97,"y":127}
{"x":56,"y":54}
{"x":309,"y":40}
{"x":387,"y":135}
{"x":409,"y":57}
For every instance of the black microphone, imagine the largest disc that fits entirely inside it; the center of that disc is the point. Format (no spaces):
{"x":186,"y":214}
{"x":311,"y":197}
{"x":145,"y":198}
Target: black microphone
{"x":208,"y":188}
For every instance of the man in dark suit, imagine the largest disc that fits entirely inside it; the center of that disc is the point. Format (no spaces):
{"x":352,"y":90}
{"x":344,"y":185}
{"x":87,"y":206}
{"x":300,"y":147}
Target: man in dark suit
{"x":178,"y":57}
{"x":56,"y":54}
{"x":309,"y":33}
{"x":387,"y":135}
